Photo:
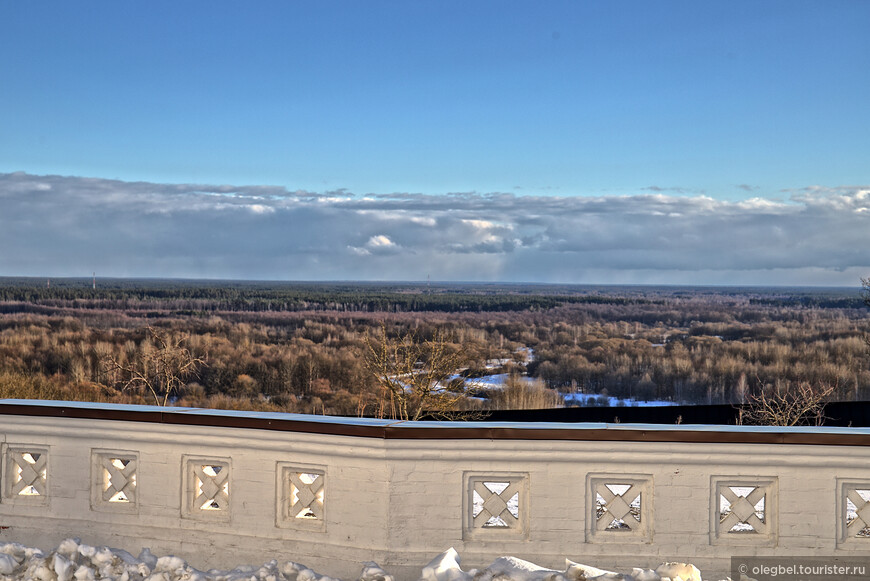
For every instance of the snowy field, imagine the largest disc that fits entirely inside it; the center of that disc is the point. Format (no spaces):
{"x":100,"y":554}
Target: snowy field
{"x":591,"y":399}
{"x":497,"y":381}
{"x":73,"y":560}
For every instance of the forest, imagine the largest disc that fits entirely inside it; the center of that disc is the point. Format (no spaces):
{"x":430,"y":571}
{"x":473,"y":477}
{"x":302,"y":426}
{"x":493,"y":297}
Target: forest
{"x":301,"y":347}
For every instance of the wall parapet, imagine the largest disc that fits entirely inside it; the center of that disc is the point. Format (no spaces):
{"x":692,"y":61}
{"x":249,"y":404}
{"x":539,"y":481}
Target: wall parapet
{"x":217,"y":487}
{"x":399,"y":429}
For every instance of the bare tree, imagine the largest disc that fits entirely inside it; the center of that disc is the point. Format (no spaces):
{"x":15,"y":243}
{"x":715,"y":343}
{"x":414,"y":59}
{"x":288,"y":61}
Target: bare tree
{"x":416,"y":376}
{"x":162,"y":365}
{"x":799,"y":405}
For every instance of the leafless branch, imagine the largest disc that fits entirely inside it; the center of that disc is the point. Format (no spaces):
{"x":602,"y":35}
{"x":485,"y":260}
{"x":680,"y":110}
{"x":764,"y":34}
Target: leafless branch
{"x":161,"y":366}
{"x":415,"y":375}
{"x":800,"y":405}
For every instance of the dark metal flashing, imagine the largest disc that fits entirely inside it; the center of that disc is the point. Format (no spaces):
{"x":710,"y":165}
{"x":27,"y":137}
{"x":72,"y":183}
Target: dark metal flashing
{"x":448,"y":431}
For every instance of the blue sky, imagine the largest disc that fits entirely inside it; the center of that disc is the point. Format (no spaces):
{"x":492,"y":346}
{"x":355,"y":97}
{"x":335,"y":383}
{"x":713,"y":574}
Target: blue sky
{"x":727,"y":101}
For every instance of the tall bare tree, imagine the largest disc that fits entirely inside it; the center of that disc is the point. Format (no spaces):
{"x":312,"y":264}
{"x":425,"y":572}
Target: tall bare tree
{"x":416,"y":376}
{"x":162,"y":365}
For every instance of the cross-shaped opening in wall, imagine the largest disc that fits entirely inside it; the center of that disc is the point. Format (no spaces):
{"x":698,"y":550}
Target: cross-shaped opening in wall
{"x":212,"y":487}
{"x":306,"y":495}
{"x":496,"y":504}
{"x":119,"y":479}
{"x":29,"y":473}
{"x":858,"y":512}
{"x":617,"y":506}
{"x":741,"y":509}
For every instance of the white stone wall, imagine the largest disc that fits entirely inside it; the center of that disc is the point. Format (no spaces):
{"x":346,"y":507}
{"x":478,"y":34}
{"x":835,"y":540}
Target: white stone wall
{"x":220,"y":496}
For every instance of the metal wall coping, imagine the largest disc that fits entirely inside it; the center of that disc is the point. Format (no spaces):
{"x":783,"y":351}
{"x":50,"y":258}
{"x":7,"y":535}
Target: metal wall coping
{"x":446,"y":430}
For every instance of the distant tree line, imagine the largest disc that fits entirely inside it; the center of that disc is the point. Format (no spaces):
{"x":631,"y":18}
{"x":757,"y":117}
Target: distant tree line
{"x":210,"y":299}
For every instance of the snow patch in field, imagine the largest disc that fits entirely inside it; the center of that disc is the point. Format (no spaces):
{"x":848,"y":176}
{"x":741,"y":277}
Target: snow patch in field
{"x":592,"y":400}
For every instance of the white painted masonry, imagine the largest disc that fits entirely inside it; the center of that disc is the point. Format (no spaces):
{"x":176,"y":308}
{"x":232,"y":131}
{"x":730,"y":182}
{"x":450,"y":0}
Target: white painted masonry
{"x":617,"y":496}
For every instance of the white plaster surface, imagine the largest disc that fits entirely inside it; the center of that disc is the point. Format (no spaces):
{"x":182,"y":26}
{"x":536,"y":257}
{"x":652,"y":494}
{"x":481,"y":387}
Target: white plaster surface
{"x":398,"y":502}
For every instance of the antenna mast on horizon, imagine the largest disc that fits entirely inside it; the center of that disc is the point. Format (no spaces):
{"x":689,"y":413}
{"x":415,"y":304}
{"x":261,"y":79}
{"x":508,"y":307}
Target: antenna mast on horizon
{"x":95,"y":281}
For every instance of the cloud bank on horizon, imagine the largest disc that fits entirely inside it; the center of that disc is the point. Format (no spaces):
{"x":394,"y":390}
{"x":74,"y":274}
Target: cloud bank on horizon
{"x":71,"y":226}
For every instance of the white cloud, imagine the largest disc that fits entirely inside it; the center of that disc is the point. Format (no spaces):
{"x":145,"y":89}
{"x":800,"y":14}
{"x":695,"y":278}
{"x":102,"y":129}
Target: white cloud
{"x":379,"y":244}
{"x":380,"y":241}
{"x":52,"y":225}
{"x":480,"y":224}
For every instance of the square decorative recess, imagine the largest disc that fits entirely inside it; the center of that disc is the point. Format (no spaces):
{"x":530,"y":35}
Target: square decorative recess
{"x":206,"y":494}
{"x":743,"y":510}
{"x":495,"y":505}
{"x":25,"y":474}
{"x":301,"y":496}
{"x":853,"y":514}
{"x":114,"y":481}
{"x":620,"y":508}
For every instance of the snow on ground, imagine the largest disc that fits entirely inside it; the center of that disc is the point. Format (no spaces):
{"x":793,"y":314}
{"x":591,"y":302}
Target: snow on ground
{"x":591,"y":399}
{"x":72,"y":560}
{"x":496,"y":381}
{"x":495,"y":363}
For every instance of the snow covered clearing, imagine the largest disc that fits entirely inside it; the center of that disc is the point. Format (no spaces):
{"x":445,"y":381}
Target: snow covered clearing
{"x":72,"y":560}
{"x":591,"y":400}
